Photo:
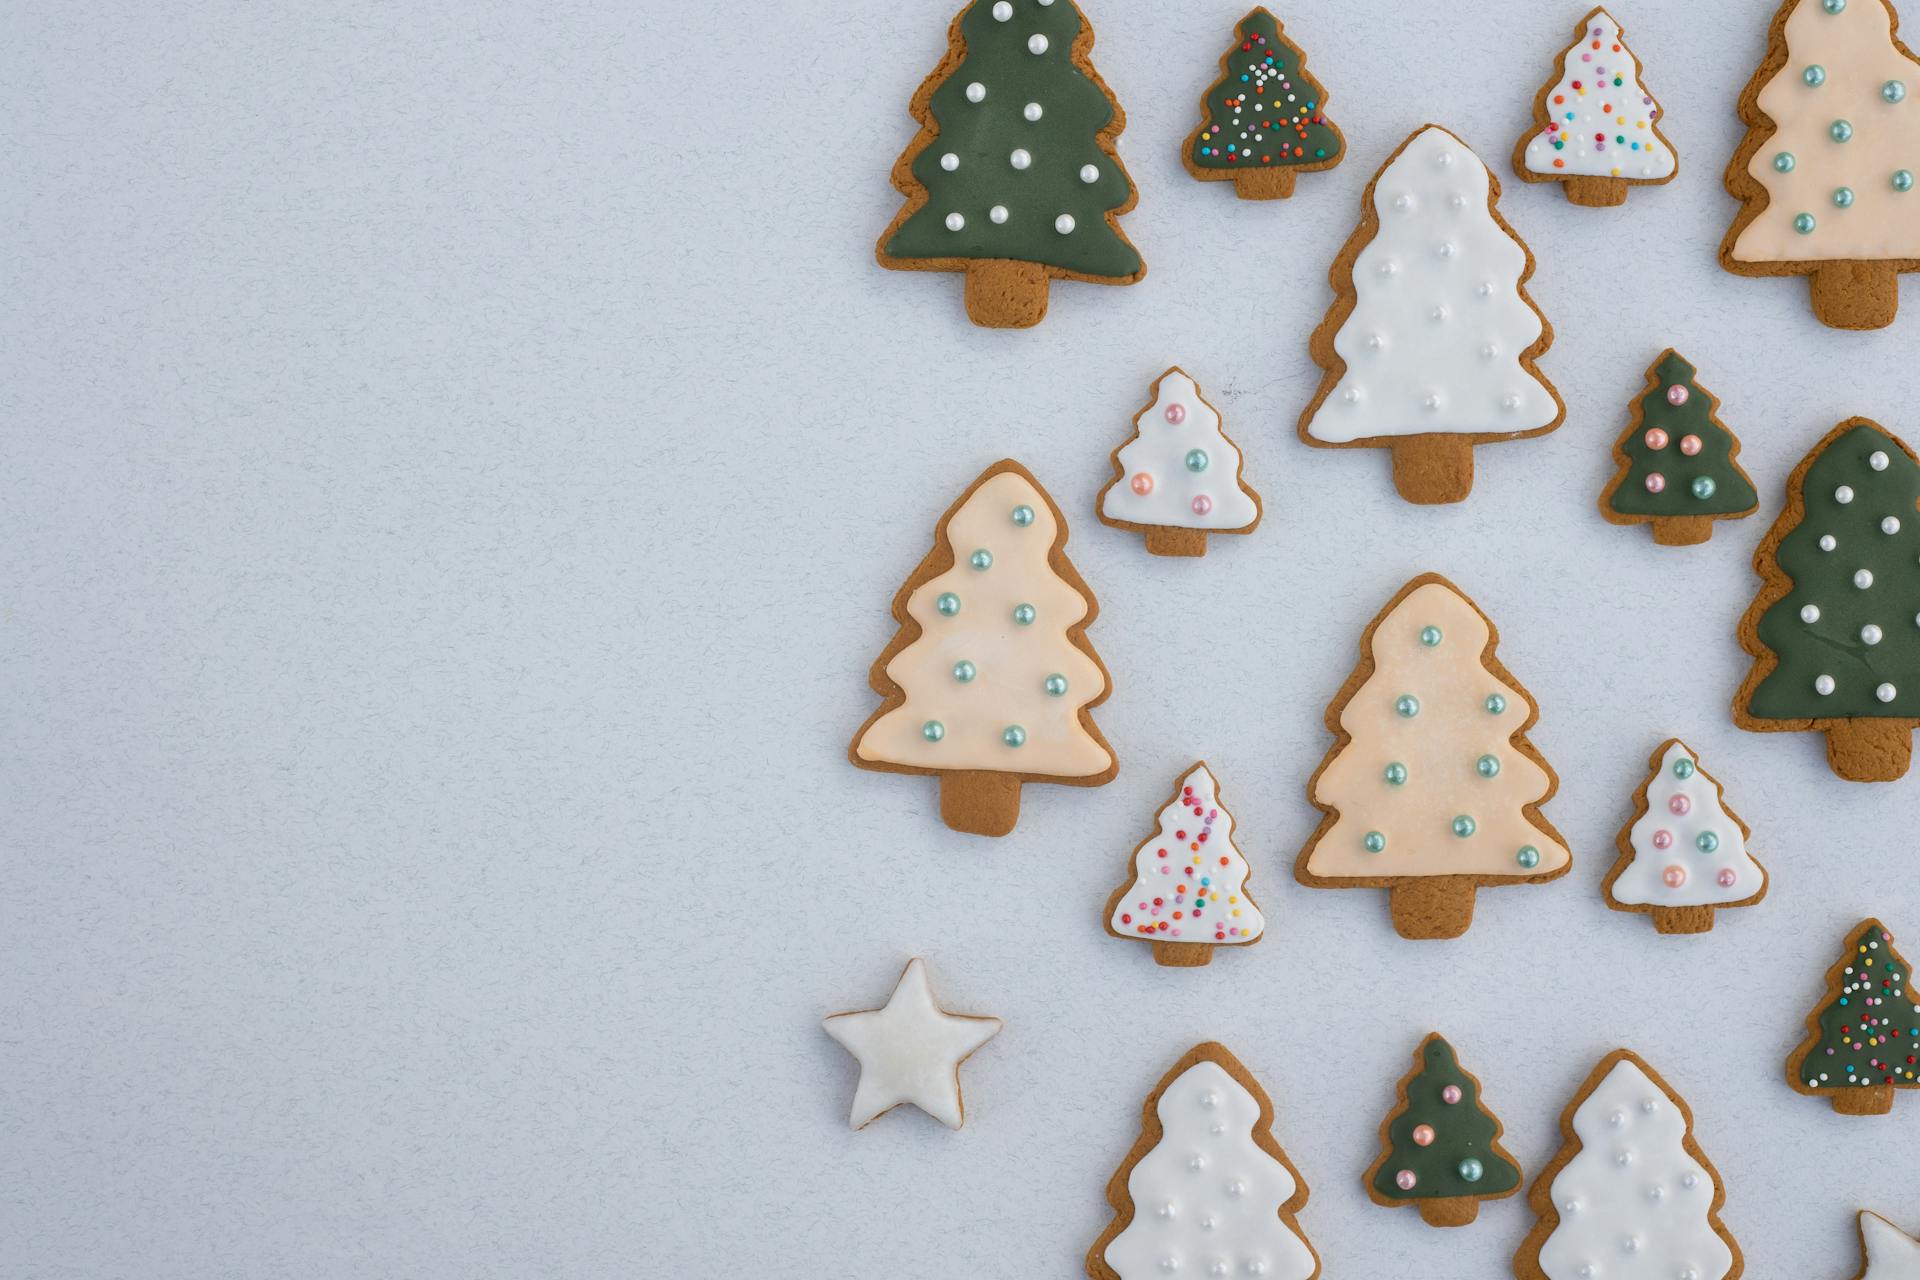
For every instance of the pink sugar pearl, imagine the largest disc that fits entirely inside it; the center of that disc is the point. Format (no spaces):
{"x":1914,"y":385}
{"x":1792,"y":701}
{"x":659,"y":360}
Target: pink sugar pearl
{"x":1423,"y":1135}
{"x":1726,"y":878}
{"x":1674,"y":876}
{"x":1680,"y":805}
{"x":1404,"y":1179}
{"x":1690,"y":445}
{"x":1676,"y":396}
{"x":1202,"y":505}
{"x":1656,"y":482}
{"x":1176,"y":414}
{"x":1450,"y":1094}
{"x":1656,"y":438}
{"x":1663,"y":839}
{"x":1143,"y":484}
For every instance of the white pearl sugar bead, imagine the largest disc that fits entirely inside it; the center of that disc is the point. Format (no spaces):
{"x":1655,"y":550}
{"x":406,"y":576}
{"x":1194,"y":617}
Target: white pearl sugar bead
{"x":1877,"y":460}
{"x":1823,"y":685}
{"x":1020,"y":158}
{"x":1032,"y":111}
{"x":1064,"y":224}
{"x":1890,"y":526}
{"x":949,"y":162}
{"x":998,"y":213}
{"x":1870,"y":634}
{"x":1843,"y":495}
{"x":1002,"y":11}
{"x":955,"y":221}
{"x":1810,"y":613}
{"x":976,"y":92}
{"x":1886,"y":693}
{"x":1431,"y":404}
{"x":1089,"y":173}
{"x":1827,"y":542}
{"x":1036,"y":44}
{"x":1863,"y":579}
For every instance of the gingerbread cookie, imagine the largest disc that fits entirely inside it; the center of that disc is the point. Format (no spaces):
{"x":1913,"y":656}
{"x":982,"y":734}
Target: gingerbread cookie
{"x":1886,"y":1252}
{"x":1835,"y":629}
{"x":1630,"y":1192}
{"x":1684,"y":852}
{"x":1825,"y":176}
{"x":910,"y":1050}
{"x":1013,"y":177}
{"x":1439,"y":1146}
{"x":1679,"y":464}
{"x":1595,"y":127}
{"x":1206,"y":1182}
{"x":1177,"y":478}
{"x":1432,"y":789}
{"x":1430,"y":345}
{"x":991,"y":681}
{"x":1187,"y":892}
{"x":1265,"y":119}
{"x":1863,"y":1040}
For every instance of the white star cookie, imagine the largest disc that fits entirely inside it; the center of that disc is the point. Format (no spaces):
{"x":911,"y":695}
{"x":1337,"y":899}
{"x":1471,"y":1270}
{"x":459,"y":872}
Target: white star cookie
{"x":910,"y":1051}
{"x":1889,"y":1253}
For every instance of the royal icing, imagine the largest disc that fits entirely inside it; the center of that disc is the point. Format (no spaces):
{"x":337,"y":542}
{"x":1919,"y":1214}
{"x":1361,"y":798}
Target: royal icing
{"x":1431,"y":781}
{"x":1266,"y":111}
{"x":1443,"y":1142}
{"x":1207,"y":1198}
{"x":1891,"y":1254}
{"x":1438,"y":328}
{"x":993,"y":681}
{"x":1188,"y":879}
{"x":1839,"y":168}
{"x":1688,"y":850}
{"x":1179,"y":469}
{"x":1600,"y":121}
{"x":910,"y":1050}
{"x":1680,"y":459}
{"x":1633,"y":1203}
{"x":1867,"y":1033}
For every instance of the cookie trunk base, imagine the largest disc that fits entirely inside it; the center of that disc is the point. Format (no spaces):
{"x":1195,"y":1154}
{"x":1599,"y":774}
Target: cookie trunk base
{"x":1006,"y":294}
{"x":1682,"y":919}
{"x":1449,"y":1211}
{"x":1181,"y":955}
{"x":1165,"y":540}
{"x":1432,"y":469}
{"x":1432,"y":907}
{"x":1872,"y":1100}
{"x":1595,"y":192}
{"x":1868,"y":750}
{"x":1855,"y":295}
{"x":979,"y":802}
{"x":1263,"y":184}
{"x":1682,"y":531}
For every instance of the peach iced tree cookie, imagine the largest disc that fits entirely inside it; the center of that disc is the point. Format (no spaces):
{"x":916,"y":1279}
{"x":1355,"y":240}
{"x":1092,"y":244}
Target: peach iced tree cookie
{"x":1596,"y":127}
{"x":990,"y":680}
{"x":1187,"y":893}
{"x":1177,"y":478}
{"x":1684,"y":852}
{"x":1863,"y":1040}
{"x":1265,"y":118}
{"x":1431,"y":789}
{"x":1679,"y":464}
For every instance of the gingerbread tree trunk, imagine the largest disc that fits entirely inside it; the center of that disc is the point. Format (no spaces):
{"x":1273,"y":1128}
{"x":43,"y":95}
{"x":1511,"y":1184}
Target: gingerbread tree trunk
{"x":1431,"y":789}
{"x":1265,"y":119}
{"x":1835,"y":630}
{"x":1826,"y":173}
{"x":990,"y":681}
{"x":1679,"y":465}
{"x":1596,"y":129}
{"x":1864,"y":1038}
{"x":1187,"y":893}
{"x":1013,"y":177}
{"x":1684,"y":852}
{"x":1205,"y":1181}
{"x":1630,"y":1192}
{"x":1430,"y":345}
{"x":1440,"y":1148}
{"x":1177,"y":479}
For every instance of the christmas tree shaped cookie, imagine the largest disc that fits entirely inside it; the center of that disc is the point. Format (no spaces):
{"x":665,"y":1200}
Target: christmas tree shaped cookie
{"x":1864,"y":1038}
{"x":1684,"y":852}
{"x":1187,"y":892}
{"x":1886,"y":1252}
{"x":1835,"y":630}
{"x":1679,"y":465}
{"x":1265,"y":118}
{"x":1013,"y":177}
{"x":1430,"y":345}
{"x":1826,"y":173}
{"x":1630,"y":1193}
{"x":1206,"y":1184}
{"x":1439,"y":1147}
{"x":1432,"y":789}
{"x":1177,"y":478}
{"x":990,"y":681}
{"x":1595,"y":127}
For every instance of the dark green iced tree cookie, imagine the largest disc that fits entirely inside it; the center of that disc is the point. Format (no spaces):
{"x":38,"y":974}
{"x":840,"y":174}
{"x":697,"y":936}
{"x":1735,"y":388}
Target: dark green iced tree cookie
{"x":1440,"y":1148}
{"x":1265,"y":119}
{"x":1679,"y":465}
{"x":1863,"y":1041}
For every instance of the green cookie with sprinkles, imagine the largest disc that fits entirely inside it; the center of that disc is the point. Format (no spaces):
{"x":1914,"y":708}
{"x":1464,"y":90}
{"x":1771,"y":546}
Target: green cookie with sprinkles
{"x":1863,"y":1041}
{"x":1265,"y":119}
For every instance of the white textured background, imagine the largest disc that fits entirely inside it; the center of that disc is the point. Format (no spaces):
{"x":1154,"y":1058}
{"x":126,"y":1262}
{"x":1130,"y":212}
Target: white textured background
{"x":457,"y":456}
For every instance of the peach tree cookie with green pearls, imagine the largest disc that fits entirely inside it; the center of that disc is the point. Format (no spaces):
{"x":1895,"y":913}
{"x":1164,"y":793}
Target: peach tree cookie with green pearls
{"x":1679,"y":464}
{"x":1265,"y":119}
{"x":1013,"y":178}
{"x":1684,"y":851}
{"x":1835,"y":629}
{"x":1863,"y":1039}
{"x":1596,"y":127}
{"x":1440,"y":1146}
{"x":1825,"y":175}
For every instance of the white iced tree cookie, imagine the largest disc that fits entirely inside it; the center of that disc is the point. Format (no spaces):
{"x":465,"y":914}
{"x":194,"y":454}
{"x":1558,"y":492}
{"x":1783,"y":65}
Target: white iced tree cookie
{"x":1596,"y":127}
{"x":1187,"y":892}
{"x":1430,"y":345}
{"x":1684,"y":852}
{"x":1826,"y":173}
{"x":1177,"y":478}
{"x":1206,"y":1190}
{"x":910,"y":1051}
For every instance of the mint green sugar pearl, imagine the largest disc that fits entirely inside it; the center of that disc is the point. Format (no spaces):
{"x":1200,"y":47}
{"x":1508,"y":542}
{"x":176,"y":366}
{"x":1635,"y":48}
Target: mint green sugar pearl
{"x":1784,"y":162}
{"x":1374,"y":842}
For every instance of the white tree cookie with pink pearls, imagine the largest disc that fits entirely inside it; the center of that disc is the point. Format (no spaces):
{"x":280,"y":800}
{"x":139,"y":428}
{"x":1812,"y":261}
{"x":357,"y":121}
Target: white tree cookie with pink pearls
{"x":1684,"y":852}
{"x":1177,"y":478}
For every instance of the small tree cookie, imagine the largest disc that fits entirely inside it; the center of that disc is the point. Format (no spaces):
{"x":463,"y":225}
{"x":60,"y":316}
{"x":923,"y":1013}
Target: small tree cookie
{"x":1187,"y":894}
{"x":991,"y":681}
{"x":1432,"y":789}
{"x":1835,"y":630}
{"x":1177,"y":478}
{"x":1630,"y":1192}
{"x":1684,"y":852}
{"x":1013,"y":177}
{"x":1265,"y":118}
{"x":1863,"y":1038}
{"x":1595,"y":127}
{"x":1825,"y":175}
{"x":1430,"y":345}
{"x":1679,"y":464}
{"x":1205,"y":1181}
{"x":1439,"y":1147}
